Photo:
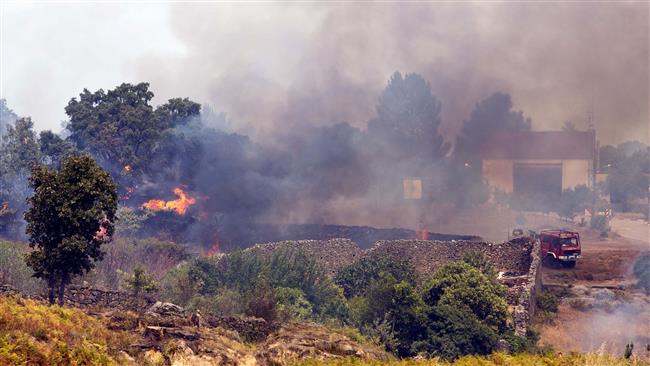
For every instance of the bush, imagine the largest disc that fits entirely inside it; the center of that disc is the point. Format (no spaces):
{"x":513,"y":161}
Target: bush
{"x":453,"y":332}
{"x":547,"y":302}
{"x":156,"y":257}
{"x":225,"y":303}
{"x":464,"y":287}
{"x":356,"y":278}
{"x":292,"y":303}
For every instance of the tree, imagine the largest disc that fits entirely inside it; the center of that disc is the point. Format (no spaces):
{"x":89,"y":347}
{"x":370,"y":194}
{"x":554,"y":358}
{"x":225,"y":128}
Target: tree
{"x":492,"y":114}
{"x":408,"y":118}
{"x":356,"y":278}
{"x":629,"y":179}
{"x":70,"y":217}
{"x":7,"y":116}
{"x":19,"y":151}
{"x":462,"y":286}
{"x":54,"y":149}
{"x":575,"y":200}
{"x":139,"y":283}
{"x":121,"y":127}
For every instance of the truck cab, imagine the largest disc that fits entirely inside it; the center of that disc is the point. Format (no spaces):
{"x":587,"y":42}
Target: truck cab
{"x":560,"y":245}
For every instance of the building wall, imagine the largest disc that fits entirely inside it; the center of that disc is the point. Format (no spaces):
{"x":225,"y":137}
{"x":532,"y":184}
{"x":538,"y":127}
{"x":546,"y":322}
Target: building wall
{"x":576,"y":172}
{"x":499,"y":173}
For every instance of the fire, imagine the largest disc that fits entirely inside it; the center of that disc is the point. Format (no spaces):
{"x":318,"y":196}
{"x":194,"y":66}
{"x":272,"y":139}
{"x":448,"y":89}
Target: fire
{"x":214,"y":248}
{"x":127,"y":168}
{"x":179,"y":205}
{"x":422,"y":234}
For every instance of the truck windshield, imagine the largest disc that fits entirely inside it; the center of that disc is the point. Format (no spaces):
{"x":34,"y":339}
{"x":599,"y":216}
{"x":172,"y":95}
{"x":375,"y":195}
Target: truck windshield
{"x":569,"y":242}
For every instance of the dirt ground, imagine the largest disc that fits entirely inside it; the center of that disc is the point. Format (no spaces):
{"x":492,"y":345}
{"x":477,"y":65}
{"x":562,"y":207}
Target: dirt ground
{"x":600,"y":309}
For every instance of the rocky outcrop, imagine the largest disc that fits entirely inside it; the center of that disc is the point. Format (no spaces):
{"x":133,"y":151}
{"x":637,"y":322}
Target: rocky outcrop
{"x":311,"y":341}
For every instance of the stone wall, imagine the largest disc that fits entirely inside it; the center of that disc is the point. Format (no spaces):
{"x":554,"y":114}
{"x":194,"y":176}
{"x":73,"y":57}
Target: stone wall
{"x":528,"y":290}
{"x":86,"y":297}
{"x":427,"y":256}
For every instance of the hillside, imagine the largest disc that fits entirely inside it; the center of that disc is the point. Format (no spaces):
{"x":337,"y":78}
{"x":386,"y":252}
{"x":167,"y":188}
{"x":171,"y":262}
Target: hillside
{"x":35,"y":334}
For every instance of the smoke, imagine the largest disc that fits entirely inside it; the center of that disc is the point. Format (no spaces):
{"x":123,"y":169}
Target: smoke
{"x":274,"y":67}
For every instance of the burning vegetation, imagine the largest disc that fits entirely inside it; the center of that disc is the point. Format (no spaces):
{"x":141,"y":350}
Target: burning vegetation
{"x":179,"y":205}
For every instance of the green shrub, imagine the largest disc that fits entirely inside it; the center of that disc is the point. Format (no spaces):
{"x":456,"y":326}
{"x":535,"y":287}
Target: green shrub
{"x":547,"y":302}
{"x":356,"y":278}
{"x":464,"y":287}
{"x":292,"y":303}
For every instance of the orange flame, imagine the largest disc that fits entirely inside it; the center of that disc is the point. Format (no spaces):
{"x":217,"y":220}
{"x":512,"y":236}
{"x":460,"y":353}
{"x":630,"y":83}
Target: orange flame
{"x":179,"y":205}
{"x":214,"y":249}
{"x":127,"y":168}
{"x":422,"y":234}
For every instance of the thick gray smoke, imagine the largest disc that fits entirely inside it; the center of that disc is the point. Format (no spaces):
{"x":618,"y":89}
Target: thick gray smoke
{"x":273,"y":67}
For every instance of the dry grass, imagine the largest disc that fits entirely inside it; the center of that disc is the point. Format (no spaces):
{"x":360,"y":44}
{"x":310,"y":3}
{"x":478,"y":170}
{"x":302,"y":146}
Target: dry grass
{"x":497,"y":359}
{"x":32,"y":333}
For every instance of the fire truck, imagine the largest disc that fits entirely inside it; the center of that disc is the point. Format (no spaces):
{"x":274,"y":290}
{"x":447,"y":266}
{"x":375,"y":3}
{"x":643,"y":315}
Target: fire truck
{"x":560,"y":245}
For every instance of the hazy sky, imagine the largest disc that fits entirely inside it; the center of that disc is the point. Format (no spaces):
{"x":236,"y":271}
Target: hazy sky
{"x":269,"y":65}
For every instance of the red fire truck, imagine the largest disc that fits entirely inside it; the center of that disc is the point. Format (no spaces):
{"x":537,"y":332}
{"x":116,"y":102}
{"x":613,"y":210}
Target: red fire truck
{"x":560,"y":245}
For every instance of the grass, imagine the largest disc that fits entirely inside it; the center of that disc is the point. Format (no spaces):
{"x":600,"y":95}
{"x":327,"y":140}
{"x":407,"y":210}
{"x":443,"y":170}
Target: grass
{"x":32,"y":333}
{"x":497,"y":359}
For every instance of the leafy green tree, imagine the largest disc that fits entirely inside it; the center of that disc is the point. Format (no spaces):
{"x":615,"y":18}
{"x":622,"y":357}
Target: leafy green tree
{"x":139,"y":283}
{"x":408,"y":118}
{"x":629,"y":179}
{"x":19,"y":151}
{"x":490,"y":115}
{"x":575,"y":200}
{"x":356,"y":278}
{"x":462,"y":286}
{"x":54,"y":149}
{"x":7,"y":116}
{"x":71,"y":215}
{"x":452,"y":332}
{"x":120,"y":126}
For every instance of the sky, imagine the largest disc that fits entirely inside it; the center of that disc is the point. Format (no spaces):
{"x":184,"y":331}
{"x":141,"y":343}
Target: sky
{"x":270,"y":66}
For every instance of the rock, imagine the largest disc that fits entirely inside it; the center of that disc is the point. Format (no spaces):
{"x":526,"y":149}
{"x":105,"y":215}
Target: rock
{"x":311,"y":341}
{"x":165,"y":309}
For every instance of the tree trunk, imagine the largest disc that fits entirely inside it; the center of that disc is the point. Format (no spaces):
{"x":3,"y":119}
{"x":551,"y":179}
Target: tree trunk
{"x":62,"y":290}
{"x":51,"y":284}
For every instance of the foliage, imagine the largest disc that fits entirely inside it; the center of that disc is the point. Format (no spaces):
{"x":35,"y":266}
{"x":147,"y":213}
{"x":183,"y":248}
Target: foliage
{"x":495,"y":359}
{"x":490,"y":115}
{"x":70,"y":217}
{"x":14,"y":271}
{"x":408,"y":118}
{"x":629,"y":179}
{"x":641,"y":270}
{"x":355,"y":279}
{"x":54,"y":150}
{"x":547,"y":301}
{"x":139,"y":282}
{"x":478,"y":260}
{"x":256,"y":278}
{"x":7,"y":116}
{"x":292,"y":303}
{"x":18,"y":153}
{"x":463,"y":287}
{"x":157,"y":258}
{"x":129,"y":220}
{"x":120,"y":126}
{"x":575,"y":200}
{"x":35,"y":334}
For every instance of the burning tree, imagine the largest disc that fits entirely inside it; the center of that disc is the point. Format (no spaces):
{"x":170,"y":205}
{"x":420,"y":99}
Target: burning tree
{"x":71,"y":215}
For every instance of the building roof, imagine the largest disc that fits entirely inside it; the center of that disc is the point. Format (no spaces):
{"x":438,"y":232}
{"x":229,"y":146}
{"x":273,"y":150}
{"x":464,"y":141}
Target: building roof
{"x":538,"y":145}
